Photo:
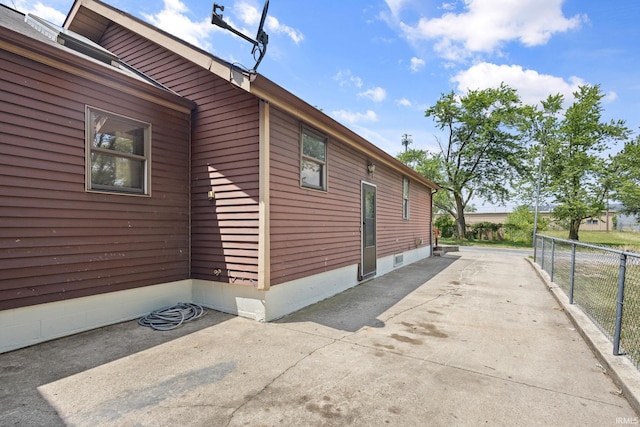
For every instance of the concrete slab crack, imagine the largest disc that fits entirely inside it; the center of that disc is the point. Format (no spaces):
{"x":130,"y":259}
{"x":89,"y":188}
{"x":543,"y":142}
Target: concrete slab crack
{"x":461,"y":282}
{"x":429,"y":301}
{"x":276,"y":378}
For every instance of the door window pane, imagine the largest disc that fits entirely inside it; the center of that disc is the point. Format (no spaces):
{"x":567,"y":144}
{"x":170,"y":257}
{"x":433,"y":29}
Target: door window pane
{"x":369,"y":218}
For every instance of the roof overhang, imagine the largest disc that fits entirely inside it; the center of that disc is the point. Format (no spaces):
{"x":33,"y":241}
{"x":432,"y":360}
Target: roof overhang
{"x":286,"y":101}
{"x":91,"y":18}
{"x":61,"y":58}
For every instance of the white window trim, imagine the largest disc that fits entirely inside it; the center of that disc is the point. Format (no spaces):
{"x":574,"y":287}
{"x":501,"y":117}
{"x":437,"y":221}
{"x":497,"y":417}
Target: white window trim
{"x":325,"y":174}
{"x":405,"y":212}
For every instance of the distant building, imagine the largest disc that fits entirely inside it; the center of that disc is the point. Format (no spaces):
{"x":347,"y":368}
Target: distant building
{"x":602,"y":223}
{"x":627,"y":223}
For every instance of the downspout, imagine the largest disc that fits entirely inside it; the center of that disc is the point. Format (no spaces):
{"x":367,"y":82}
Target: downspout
{"x":264,"y":232}
{"x":190,"y":216}
{"x":433,"y":191}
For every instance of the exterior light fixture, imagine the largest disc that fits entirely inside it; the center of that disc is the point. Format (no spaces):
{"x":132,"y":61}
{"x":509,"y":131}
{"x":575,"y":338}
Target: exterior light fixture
{"x":371,"y":168}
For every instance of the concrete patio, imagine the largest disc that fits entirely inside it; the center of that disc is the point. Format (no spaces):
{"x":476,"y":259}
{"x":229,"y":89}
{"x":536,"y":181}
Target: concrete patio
{"x":467,"y":338}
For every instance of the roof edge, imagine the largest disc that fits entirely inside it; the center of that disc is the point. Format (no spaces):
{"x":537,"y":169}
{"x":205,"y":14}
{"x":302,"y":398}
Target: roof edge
{"x":180,"y":47}
{"x":78,"y":65}
{"x":269,"y":91}
{"x":256,"y":84}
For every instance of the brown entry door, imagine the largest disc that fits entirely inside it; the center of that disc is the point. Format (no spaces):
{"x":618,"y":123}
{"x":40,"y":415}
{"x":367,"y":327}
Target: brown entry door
{"x":368,"y":265}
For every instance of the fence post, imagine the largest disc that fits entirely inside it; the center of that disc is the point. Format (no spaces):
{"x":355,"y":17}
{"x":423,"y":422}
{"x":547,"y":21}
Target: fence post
{"x":620,"y":303}
{"x":542,"y":255}
{"x":572,"y":272}
{"x":553,"y":256}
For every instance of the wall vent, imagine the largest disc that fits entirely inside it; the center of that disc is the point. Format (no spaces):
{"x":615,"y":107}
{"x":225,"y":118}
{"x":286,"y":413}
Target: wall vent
{"x":398,"y":260}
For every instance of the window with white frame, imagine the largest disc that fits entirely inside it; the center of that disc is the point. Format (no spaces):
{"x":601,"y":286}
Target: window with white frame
{"x":118,"y":153}
{"x":405,"y":198}
{"x":313,"y":162}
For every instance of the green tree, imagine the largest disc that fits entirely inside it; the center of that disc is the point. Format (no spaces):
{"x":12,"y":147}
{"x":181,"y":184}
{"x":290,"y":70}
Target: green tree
{"x":518,"y":227}
{"x":482,"y":154}
{"x":430,"y":166}
{"x":538,"y":126}
{"x":574,"y":168}
{"x":446,"y":224}
{"x":626,"y":177}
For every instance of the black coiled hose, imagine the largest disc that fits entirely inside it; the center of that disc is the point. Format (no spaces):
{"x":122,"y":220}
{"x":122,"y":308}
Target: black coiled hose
{"x":172,"y":317}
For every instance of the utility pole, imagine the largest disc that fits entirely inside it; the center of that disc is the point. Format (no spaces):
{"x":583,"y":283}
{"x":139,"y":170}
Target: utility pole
{"x":535,"y":215}
{"x":406,"y":141}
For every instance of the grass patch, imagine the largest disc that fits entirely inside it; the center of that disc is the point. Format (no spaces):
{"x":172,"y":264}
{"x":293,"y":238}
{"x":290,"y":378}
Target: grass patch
{"x":489,"y":243}
{"x":595,"y":291}
{"x":615,"y":239}
{"x":625,"y":241}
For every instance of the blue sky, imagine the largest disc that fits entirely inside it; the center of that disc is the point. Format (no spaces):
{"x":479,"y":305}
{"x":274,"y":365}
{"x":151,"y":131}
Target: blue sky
{"x":376,"y":65}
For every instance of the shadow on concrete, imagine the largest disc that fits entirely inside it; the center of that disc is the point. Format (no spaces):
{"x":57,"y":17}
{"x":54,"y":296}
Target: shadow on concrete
{"x":23,"y":371}
{"x":361,"y":306}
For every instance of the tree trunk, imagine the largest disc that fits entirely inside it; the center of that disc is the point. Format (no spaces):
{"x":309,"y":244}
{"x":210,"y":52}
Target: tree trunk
{"x":461,"y":224}
{"x":573,"y":229}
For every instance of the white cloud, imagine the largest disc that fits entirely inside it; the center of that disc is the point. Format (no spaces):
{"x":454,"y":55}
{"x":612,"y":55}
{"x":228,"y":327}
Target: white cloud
{"x":448,"y":6}
{"x":353,"y":117}
{"x":376,"y":94}
{"x":403,"y":102}
{"x":45,"y":12}
{"x":416,"y":64}
{"x":347,"y":78}
{"x":531,"y":85}
{"x":247,"y":13}
{"x":610,"y":97}
{"x":250,"y":15}
{"x":173,"y":19}
{"x":275,"y":26}
{"x":486,"y":25}
{"x":395,"y":6}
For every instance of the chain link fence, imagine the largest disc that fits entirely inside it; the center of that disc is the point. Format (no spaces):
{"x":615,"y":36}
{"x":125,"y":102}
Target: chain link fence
{"x":603,"y":282}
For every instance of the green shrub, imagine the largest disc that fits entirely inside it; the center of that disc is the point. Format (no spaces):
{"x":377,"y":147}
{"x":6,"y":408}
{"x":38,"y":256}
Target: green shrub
{"x":518,"y":226}
{"x":486,"y":231}
{"x":446,"y":224}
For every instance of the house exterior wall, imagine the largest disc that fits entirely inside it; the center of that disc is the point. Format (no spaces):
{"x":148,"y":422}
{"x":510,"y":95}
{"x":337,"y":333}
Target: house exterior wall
{"x":397,"y":235}
{"x":224,"y":158}
{"x":71,"y":260}
{"x":311,"y":231}
{"x":316,"y":231}
{"x":58,"y":241}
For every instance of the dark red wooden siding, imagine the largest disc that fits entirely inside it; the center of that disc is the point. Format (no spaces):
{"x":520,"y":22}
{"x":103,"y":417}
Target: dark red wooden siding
{"x":225,"y":150}
{"x":396,"y":235}
{"x":311,"y":231}
{"x":314,"y":231}
{"x":58,"y":241}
